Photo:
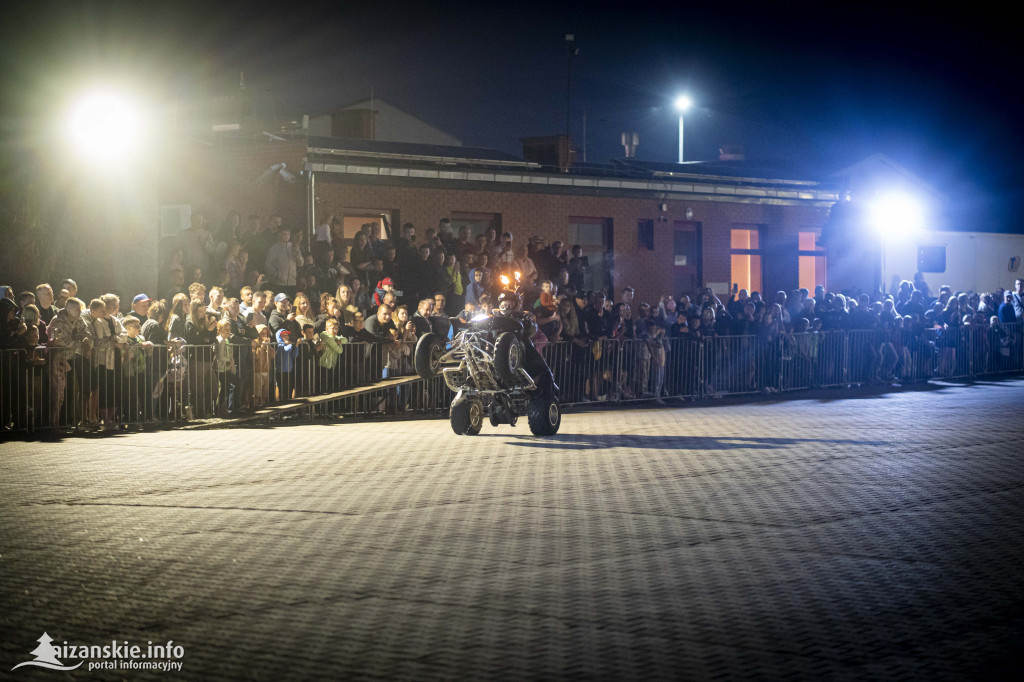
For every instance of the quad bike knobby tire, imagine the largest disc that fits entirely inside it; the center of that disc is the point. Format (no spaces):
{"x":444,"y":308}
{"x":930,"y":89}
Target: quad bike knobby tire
{"x":508,"y":358}
{"x":545,"y":415}
{"x":466,"y":416}
{"x":429,"y":350}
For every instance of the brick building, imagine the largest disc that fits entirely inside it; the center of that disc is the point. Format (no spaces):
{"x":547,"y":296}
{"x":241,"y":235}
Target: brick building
{"x":662,"y":228}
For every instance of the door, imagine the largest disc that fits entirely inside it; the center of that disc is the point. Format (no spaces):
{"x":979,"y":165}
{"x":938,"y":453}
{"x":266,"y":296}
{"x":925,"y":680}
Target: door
{"x":687,"y":271}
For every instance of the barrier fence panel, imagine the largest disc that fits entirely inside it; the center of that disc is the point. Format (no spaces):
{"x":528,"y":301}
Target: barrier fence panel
{"x":734,"y":365}
{"x":922,"y":348}
{"x":683,"y":366}
{"x":137,"y":384}
{"x":961,"y":353}
{"x":1004,"y":350}
{"x":629,"y":371}
{"x":797,"y":364}
{"x":863,"y":356}
{"x":829,"y":352}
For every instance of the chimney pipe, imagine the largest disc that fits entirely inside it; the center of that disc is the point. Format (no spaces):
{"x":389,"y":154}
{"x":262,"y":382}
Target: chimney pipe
{"x":630,"y":141}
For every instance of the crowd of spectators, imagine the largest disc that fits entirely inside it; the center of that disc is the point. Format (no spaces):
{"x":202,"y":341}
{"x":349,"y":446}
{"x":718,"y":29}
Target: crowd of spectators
{"x":253,"y":312}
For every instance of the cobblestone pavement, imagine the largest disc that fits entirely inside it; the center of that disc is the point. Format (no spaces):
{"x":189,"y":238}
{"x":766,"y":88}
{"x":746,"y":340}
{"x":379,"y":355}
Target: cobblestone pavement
{"x":843,"y":538}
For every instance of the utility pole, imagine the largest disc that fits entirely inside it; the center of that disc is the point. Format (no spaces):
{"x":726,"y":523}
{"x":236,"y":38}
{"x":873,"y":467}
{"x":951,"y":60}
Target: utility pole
{"x":571,"y":51}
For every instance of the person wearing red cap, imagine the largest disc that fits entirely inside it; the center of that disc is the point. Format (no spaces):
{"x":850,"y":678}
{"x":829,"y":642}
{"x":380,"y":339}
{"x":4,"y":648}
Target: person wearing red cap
{"x":383,"y":287}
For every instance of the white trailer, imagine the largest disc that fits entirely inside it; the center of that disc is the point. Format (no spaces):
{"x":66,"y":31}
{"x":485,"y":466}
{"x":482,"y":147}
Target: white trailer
{"x":966,"y":261}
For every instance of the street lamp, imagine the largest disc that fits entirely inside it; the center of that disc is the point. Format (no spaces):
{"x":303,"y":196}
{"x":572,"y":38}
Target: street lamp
{"x":683,"y":104}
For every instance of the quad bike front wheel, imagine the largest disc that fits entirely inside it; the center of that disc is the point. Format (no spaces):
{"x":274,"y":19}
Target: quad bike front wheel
{"x":545,"y":415}
{"x":466,"y":416}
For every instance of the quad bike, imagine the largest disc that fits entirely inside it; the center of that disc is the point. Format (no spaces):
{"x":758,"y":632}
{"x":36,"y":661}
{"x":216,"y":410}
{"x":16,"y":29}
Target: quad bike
{"x":495,"y":371}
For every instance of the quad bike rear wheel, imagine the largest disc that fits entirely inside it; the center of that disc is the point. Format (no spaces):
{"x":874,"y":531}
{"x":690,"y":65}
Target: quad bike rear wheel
{"x":466,"y":416}
{"x":544,"y":415}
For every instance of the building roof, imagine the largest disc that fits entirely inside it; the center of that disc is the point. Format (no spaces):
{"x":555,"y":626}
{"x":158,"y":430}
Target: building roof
{"x":393,"y":119}
{"x":367,"y":150}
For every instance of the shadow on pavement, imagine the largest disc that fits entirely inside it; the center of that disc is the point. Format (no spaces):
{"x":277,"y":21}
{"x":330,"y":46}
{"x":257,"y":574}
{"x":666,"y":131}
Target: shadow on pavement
{"x":651,"y":442}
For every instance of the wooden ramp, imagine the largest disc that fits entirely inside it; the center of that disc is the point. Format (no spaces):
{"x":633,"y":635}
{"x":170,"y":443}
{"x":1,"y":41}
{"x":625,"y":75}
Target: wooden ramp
{"x":271,"y":411}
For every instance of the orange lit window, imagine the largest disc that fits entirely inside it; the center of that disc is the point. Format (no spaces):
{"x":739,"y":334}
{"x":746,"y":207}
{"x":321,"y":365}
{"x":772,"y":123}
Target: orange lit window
{"x":745,"y":258}
{"x":812,"y":262}
{"x":743,"y":238}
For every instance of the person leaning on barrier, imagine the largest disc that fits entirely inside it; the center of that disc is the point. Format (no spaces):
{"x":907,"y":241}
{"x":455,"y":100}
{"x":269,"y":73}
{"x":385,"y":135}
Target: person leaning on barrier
{"x":370,"y":356}
{"x":422,"y":318}
{"x":45,"y":302}
{"x":1017,"y":298}
{"x":68,"y":340}
{"x":1006,"y":312}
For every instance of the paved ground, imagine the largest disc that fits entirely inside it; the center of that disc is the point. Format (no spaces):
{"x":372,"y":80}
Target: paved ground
{"x":855,"y":538}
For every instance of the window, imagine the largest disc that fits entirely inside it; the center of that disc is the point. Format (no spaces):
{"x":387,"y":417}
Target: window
{"x":594,"y":235}
{"x":745,"y":258}
{"x":931,"y":258}
{"x":353,"y":219}
{"x":645,"y":234}
{"x":812,"y":261}
{"x":478,"y":223}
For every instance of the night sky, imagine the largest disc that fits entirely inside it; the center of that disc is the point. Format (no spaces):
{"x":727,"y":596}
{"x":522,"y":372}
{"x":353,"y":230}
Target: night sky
{"x":808,"y":84}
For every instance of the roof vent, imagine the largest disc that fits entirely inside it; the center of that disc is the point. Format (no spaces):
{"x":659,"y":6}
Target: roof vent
{"x":630,"y":141}
{"x":731,"y":153}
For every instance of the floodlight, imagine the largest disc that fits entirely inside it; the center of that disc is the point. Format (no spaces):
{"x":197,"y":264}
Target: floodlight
{"x":275,"y":172}
{"x":896,"y":214}
{"x":104,"y":124}
{"x":683,"y":103}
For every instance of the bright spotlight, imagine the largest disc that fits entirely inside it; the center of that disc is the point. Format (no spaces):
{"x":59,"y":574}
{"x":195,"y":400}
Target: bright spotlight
{"x":896,"y":214}
{"x":683,"y":103}
{"x":104,"y":125}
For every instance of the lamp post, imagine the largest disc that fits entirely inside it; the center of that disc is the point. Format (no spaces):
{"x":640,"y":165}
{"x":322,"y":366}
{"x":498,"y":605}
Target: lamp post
{"x":683,"y":104}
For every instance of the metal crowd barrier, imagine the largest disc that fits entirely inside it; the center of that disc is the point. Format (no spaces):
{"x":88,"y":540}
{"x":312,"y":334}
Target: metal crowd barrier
{"x":50,"y":388}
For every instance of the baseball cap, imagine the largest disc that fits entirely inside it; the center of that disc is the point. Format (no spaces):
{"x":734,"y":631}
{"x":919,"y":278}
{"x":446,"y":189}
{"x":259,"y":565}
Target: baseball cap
{"x":387,"y":282}
{"x":140,"y":298}
{"x":281,"y":297}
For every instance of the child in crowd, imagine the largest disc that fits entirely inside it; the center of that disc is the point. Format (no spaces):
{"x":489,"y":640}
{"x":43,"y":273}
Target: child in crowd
{"x":332,"y":344}
{"x":261,"y":349}
{"x":31,"y":366}
{"x":173,"y":385}
{"x":227,"y":370}
{"x":547,"y":297}
{"x":136,"y":402}
{"x":546,"y":311}
{"x":284,"y":372}
{"x":306,"y":374}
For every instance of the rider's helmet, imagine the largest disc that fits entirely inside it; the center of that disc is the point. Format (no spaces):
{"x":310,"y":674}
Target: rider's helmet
{"x":509,"y":302}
